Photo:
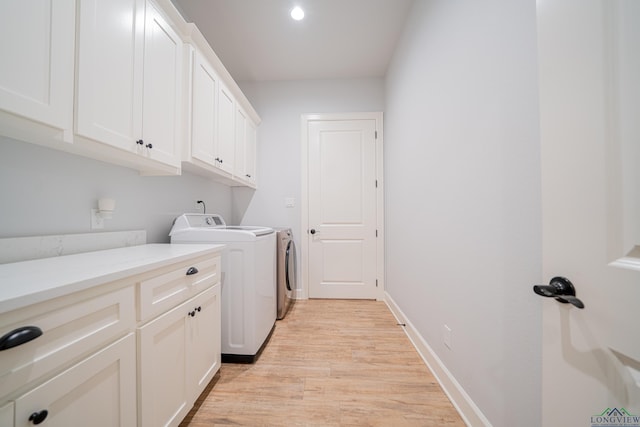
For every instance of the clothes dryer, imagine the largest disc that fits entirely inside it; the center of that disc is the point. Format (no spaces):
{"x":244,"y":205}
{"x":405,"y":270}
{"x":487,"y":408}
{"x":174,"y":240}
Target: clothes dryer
{"x":286,"y":271}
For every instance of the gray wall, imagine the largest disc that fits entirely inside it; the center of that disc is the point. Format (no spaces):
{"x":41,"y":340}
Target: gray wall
{"x":462,"y":171}
{"x":45,"y":191}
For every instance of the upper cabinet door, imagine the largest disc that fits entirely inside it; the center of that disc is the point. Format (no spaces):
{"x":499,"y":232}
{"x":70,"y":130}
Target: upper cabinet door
{"x":226,"y":130}
{"x":250,"y":153}
{"x":203,"y":110}
{"x":36,"y":69}
{"x":161,"y":125}
{"x":240,"y":144}
{"x":110,"y":71}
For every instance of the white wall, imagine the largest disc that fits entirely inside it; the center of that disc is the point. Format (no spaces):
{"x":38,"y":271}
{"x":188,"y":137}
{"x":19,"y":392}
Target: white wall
{"x":462,"y":172}
{"x":45,"y":191}
{"x":280,"y":105}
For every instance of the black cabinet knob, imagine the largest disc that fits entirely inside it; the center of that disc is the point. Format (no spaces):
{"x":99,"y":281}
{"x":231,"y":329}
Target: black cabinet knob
{"x":192,"y":313}
{"x":312,"y":231}
{"x":38,"y":417}
{"x":139,"y":142}
{"x":199,"y":308}
{"x":149,"y":145}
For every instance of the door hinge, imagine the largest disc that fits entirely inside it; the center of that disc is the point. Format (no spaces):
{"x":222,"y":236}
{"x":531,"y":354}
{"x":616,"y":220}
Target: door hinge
{"x":376,"y":132}
{"x":376,"y":283}
{"x":376,"y":183}
{"x":376,"y":233}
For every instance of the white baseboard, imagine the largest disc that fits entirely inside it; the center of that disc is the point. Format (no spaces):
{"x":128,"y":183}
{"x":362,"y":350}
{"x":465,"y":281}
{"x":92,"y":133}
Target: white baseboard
{"x":468,"y":410}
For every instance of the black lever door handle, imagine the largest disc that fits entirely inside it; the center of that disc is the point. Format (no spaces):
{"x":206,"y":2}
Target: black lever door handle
{"x":561,"y":289}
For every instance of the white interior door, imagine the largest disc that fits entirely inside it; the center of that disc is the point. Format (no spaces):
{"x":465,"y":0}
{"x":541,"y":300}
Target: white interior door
{"x":589,"y":56}
{"x":342,"y":202}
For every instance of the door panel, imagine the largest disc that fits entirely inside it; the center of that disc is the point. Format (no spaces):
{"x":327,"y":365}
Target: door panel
{"x":589,"y":104}
{"x":162,"y":77}
{"x":109,"y":71}
{"x":342,"y":208}
{"x":205,"y":92}
{"x":36,"y":77}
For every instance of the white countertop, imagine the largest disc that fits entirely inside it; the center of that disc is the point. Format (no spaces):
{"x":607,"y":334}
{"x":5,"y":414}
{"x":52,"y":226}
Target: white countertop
{"x":30,"y":282}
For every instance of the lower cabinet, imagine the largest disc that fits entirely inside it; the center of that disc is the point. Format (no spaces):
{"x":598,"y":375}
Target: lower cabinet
{"x":179,"y":352}
{"x":98,"y":391}
{"x":137,"y":351}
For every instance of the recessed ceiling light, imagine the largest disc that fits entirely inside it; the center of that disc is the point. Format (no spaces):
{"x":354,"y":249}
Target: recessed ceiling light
{"x":297,"y":13}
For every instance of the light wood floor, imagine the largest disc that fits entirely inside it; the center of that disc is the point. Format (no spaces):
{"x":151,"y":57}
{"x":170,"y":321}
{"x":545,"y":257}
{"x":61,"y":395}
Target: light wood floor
{"x":329,"y":363}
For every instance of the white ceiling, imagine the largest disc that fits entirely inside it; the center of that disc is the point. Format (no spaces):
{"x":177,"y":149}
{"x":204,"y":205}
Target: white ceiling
{"x":257,"y":40}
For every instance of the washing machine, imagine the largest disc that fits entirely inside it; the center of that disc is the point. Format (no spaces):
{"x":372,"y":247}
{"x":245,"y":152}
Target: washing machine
{"x":286,"y":270}
{"x":248,"y":279}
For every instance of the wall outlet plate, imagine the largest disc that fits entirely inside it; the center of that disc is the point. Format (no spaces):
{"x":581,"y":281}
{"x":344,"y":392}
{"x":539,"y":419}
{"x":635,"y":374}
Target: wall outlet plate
{"x":97,"y":222}
{"x":446,"y":336}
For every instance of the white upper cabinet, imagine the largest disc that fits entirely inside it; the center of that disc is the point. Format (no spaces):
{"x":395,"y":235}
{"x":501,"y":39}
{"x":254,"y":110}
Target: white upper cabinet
{"x":222,"y":134}
{"x":36,"y":65}
{"x":161,"y":125}
{"x":128,"y":82}
{"x":110,"y":71}
{"x":250,"y":153}
{"x":225,"y":142}
{"x":245,"y":148}
{"x":204,"y":96}
{"x":108,"y":79}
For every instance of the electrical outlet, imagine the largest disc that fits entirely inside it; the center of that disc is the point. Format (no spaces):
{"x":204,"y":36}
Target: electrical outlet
{"x":97,"y":221}
{"x":446,"y":336}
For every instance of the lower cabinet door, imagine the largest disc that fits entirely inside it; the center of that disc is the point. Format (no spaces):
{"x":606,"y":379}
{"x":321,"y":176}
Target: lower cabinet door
{"x":179,"y":354}
{"x":204,"y":340}
{"x":164,"y":397}
{"x":6,"y":415}
{"x":98,"y":391}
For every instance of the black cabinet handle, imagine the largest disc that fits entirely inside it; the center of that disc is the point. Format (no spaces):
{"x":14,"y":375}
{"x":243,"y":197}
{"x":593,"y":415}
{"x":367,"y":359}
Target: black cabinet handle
{"x":561,"y":289}
{"x":199,"y":308}
{"x":149,"y":145}
{"x":192,"y":313}
{"x":312,"y":231}
{"x":19,"y":336}
{"x":191,"y":271}
{"x":38,"y":417}
{"x":139,"y":142}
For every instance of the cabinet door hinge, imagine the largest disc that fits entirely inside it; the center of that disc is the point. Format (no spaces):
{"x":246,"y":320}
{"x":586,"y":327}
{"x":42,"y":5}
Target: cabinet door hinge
{"x":376,"y":233}
{"x":376,"y":183}
{"x":376,"y":132}
{"x":376,"y":283}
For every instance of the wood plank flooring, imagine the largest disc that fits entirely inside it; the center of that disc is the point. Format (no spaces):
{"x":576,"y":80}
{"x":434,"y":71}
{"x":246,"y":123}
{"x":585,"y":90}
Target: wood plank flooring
{"x":329,"y":363}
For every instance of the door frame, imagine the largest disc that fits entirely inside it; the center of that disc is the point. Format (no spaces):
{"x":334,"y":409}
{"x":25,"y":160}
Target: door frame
{"x":303,"y":292}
